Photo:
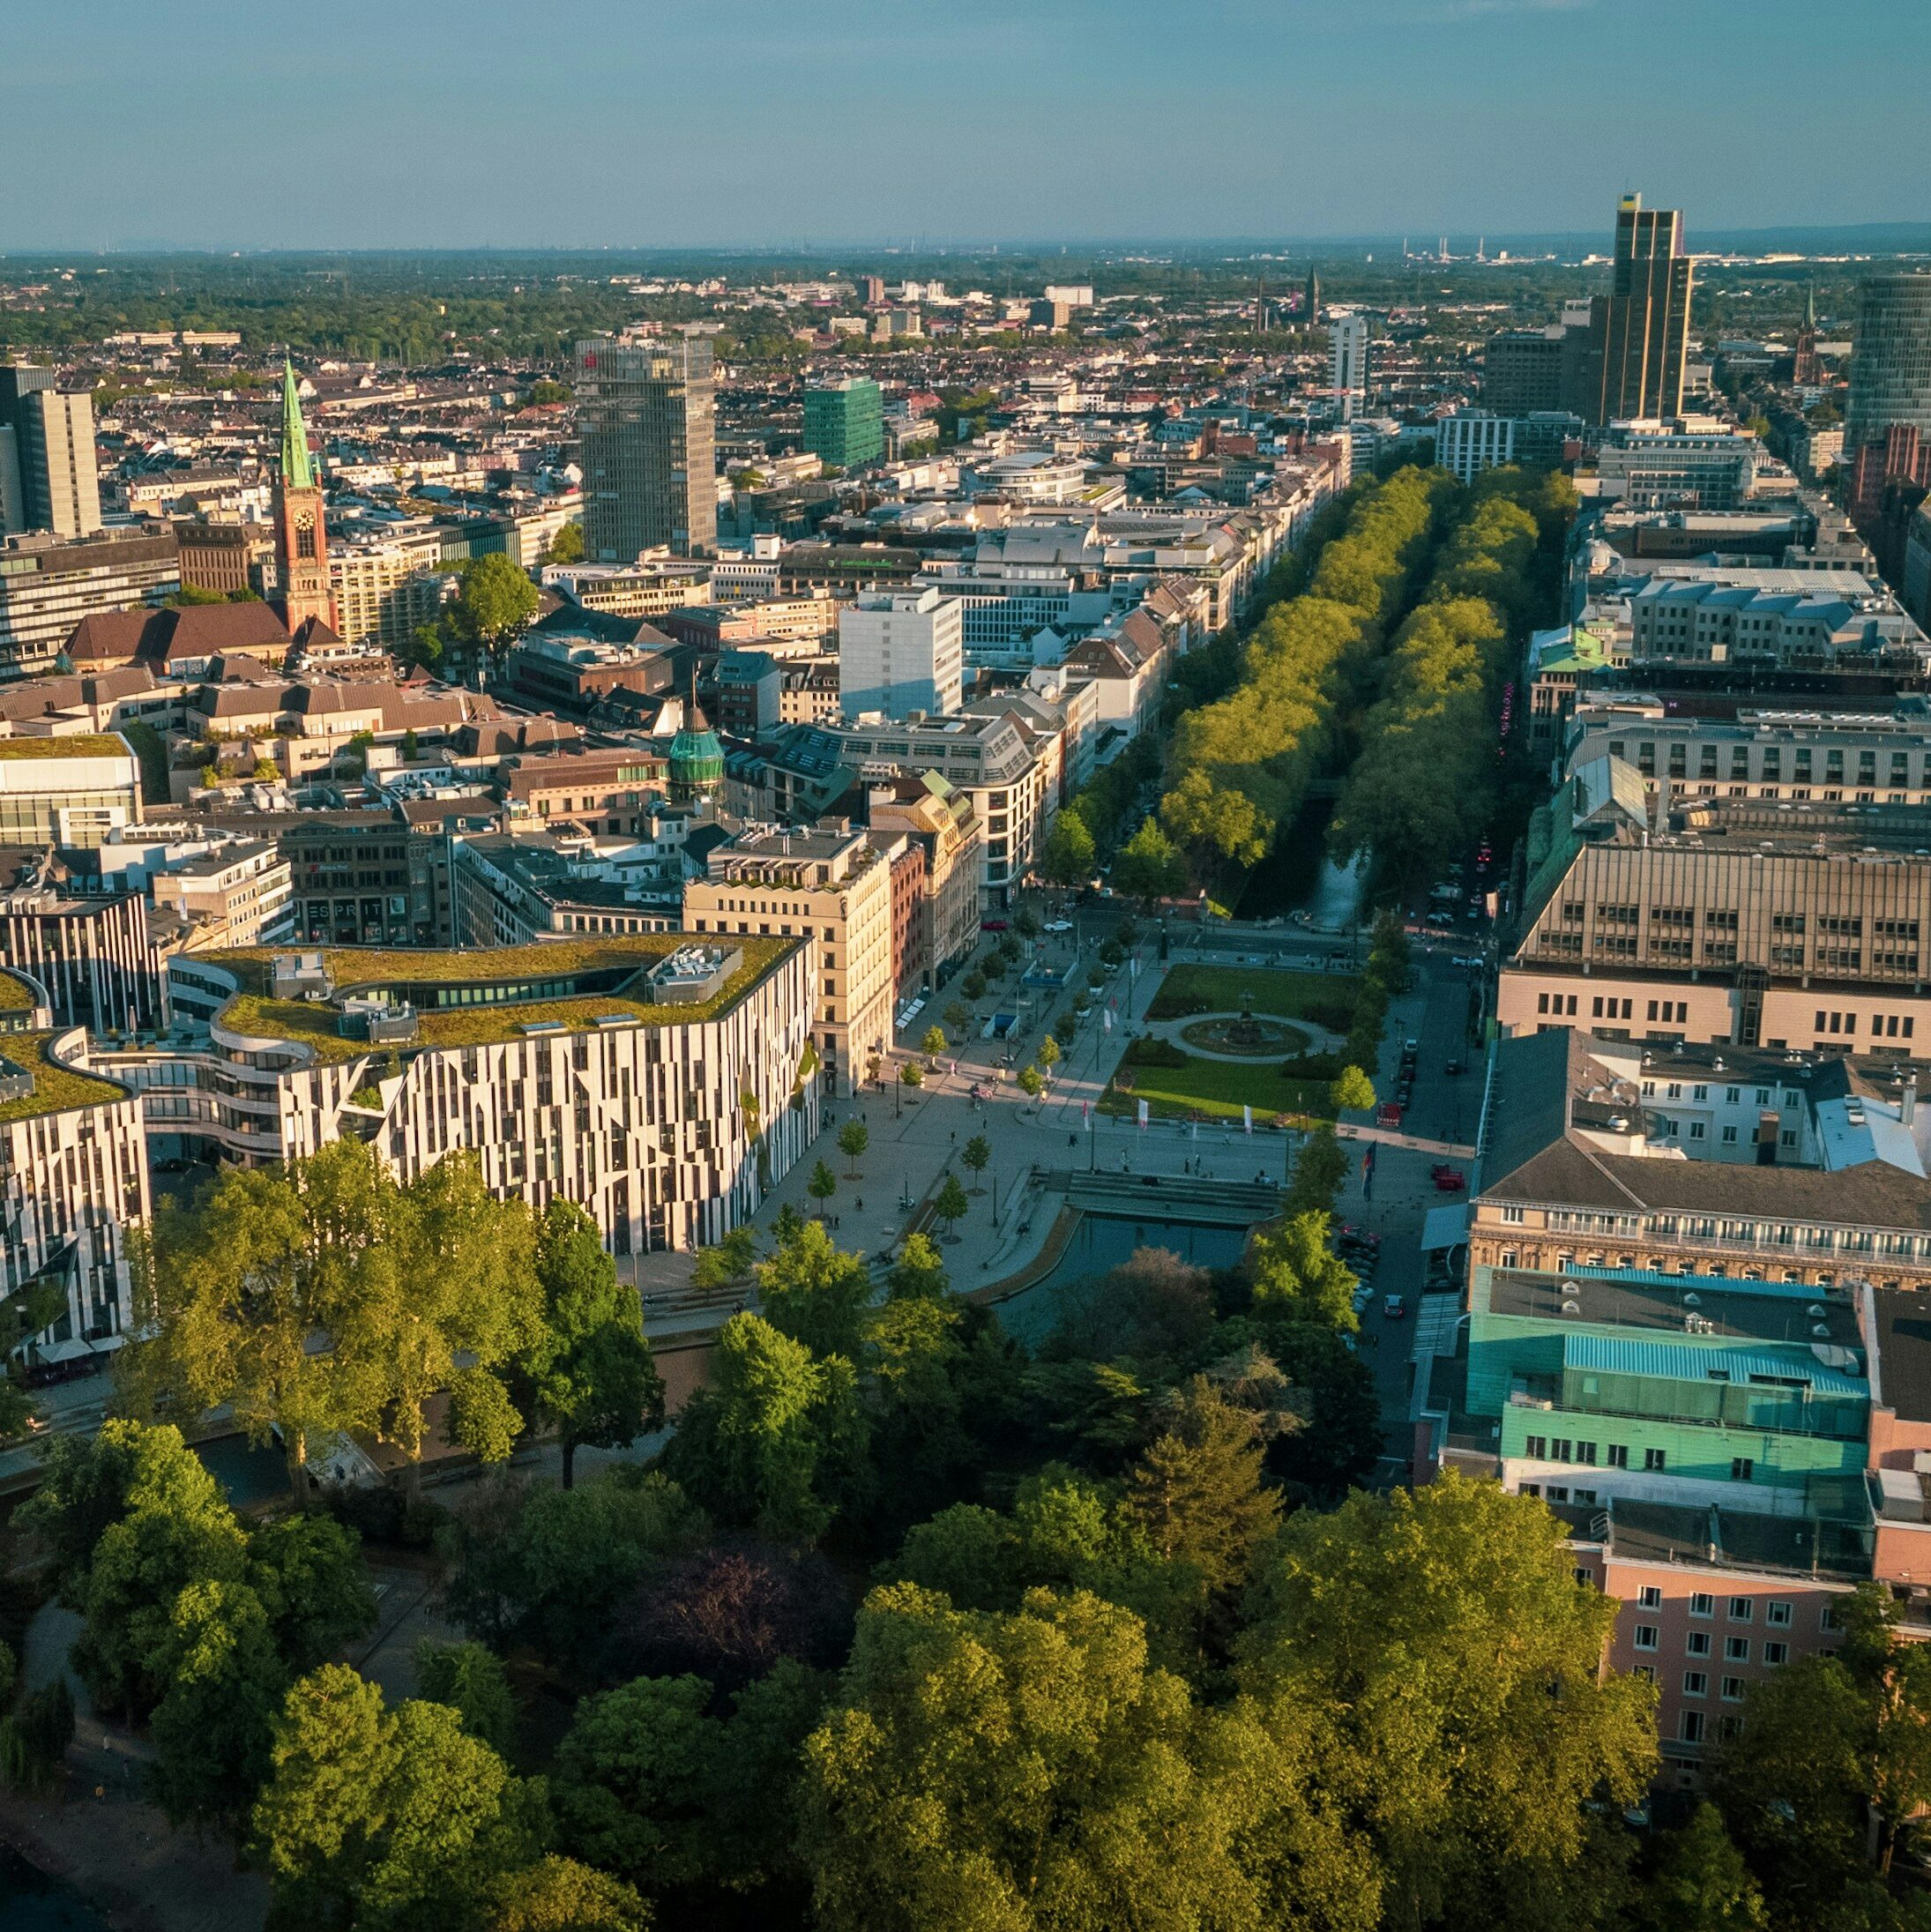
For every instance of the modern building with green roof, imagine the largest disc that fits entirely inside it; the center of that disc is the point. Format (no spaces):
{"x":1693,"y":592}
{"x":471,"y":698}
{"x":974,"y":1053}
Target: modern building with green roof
{"x":663,"y":1081}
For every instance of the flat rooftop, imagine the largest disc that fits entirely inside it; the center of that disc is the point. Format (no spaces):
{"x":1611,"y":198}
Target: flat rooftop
{"x":1832,"y":1535}
{"x":1735,"y":1310}
{"x":79,"y":744}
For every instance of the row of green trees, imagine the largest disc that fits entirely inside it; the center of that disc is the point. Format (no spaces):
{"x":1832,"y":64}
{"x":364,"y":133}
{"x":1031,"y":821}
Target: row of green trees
{"x":1425,"y":783}
{"x":323,"y":1297}
{"x":1239,"y":769}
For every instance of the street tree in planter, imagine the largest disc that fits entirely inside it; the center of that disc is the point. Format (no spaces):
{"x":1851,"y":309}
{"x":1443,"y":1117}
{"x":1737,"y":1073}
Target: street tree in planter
{"x":950,"y":1204}
{"x":933,"y":1044}
{"x":822,"y":1186}
{"x":853,"y":1138}
{"x":977,"y":1155}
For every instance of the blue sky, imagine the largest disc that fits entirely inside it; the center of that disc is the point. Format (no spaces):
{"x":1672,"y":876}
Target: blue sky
{"x":635,"y":123}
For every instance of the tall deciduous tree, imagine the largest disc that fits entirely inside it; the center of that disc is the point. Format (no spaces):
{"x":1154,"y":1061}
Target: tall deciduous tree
{"x":1068,"y":857}
{"x":1031,"y":1771}
{"x":1441,"y":1633}
{"x":854,"y":1138}
{"x":384,"y":1818}
{"x":496,"y":601}
{"x":774,"y":1441}
{"x":263,"y":1298}
{"x":815,"y":1292}
{"x":461,"y":1300}
{"x":591,"y":1371}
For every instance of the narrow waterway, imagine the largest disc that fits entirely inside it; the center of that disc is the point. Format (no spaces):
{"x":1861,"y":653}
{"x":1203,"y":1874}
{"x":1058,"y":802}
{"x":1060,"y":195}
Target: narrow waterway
{"x":1298,"y":875}
{"x":30,"y":1901}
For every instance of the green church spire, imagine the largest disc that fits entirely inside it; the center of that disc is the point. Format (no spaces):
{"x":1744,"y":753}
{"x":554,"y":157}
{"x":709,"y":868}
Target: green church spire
{"x":297,"y":472}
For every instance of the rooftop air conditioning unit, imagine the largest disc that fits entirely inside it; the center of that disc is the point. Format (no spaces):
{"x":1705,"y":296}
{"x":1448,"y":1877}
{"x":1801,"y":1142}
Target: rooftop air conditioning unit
{"x":1816,"y":1310}
{"x":1693,"y":1300}
{"x":1572,"y":1307}
{"x":1820,"y":1329}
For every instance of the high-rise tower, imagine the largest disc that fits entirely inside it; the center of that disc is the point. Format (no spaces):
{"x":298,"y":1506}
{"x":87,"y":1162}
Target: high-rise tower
{"x":49,"y":479}
{"x":1641,"y":328}
{"x":646,"y":415}
{"x":1310,"y":303}
{"x":301,"y":537}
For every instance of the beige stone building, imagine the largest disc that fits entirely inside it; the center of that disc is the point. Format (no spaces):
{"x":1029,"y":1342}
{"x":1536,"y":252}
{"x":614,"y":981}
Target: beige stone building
{"x":936,"y":814}
{"x":830,"y":882}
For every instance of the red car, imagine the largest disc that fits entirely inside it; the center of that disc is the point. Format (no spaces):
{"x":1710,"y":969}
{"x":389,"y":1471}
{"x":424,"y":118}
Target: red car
{"x":1387,"y":1115}
{"x":1449,"y":1179}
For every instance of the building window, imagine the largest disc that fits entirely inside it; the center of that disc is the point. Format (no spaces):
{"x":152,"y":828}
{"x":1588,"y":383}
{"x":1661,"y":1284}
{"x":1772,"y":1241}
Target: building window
{"x":1585,"y":1452}
{"x":1702,"y":1604}
{"x":1649,"y":1598}
{"x":1646,"y":1635}
{"x":1696,"y":1644}
{"x":1513,"y":1215}
{"x":1536,"y":1448}
{"x":1690,"y":1729}
{"x":1776,"y":1653}
{"x":1695,"y":1685}
{"x":1618,"y":1456}
{"x":1742,"y":1609}
{"x":1740,"y":1467}
{"x":1732,"y":1690}
{"x":1828,"y":1620}
{"x":1655,"y":1458}
{"x":1646,"y":1672}
{"x":1736,"y":1649}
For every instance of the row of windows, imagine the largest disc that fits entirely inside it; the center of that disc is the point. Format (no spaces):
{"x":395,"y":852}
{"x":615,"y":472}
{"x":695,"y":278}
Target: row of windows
{"x":1736,"y":1649}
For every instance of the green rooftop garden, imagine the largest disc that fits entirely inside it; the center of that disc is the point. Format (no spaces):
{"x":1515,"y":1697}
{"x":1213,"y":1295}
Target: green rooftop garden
{"x":55,"y":1088}
{"x":85,"y":744}
{"x":314,"y":1023}
{"x":16,"y":995}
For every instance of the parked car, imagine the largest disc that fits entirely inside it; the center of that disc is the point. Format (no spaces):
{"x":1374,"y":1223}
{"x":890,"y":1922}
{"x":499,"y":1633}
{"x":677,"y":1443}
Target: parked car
{"x":1393,"y":1307}
{"x":1387,"y":1115}
{"x":1449,"y":1179}
{"x":1440,"y":919}
{"x":1451,"y":1068}
{"x":1059,"y":925}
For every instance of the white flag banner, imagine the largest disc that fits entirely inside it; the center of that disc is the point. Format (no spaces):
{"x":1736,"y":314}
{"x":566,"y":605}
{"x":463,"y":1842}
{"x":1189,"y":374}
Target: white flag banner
{"x":1143,"y":1113}
{"x":1247,"y":1120}
{"x":1105,"y":1020}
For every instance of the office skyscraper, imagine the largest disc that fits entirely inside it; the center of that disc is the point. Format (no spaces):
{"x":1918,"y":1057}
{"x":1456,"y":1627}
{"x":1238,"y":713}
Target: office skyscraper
{"x":1890,"y":368}
{"x":646,"y":415}
{"x":49,"y":476}
{"x":1641,"y":327}
{"x":844,"y":422}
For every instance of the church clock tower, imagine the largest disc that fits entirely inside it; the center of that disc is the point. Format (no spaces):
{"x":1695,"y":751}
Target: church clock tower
{"x":301,"y":538}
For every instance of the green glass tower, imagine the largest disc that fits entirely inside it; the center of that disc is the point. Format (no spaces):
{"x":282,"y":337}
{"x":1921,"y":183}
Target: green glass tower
{"x":845,"y":424}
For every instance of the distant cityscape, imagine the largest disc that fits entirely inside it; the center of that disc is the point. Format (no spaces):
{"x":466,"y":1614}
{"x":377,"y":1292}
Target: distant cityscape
{"x":1445,"y":733}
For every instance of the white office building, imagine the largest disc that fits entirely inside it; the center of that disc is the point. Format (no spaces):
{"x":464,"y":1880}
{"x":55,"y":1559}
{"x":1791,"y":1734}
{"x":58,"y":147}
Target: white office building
{"x":1347,"y":338}
{"x":901,"y":652}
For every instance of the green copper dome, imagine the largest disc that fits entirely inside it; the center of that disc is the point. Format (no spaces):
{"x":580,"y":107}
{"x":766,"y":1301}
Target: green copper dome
{"x":697,"y":756}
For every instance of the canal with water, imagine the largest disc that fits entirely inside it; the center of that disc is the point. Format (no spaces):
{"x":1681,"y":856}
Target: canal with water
{"x":1101,"y":1243}
{"x":30,"y":1901}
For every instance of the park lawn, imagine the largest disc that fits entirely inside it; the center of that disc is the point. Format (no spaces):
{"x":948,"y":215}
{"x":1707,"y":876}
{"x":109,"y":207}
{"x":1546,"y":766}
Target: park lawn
{"x":1322,"y":997}
{"x":1219,"y":1088}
